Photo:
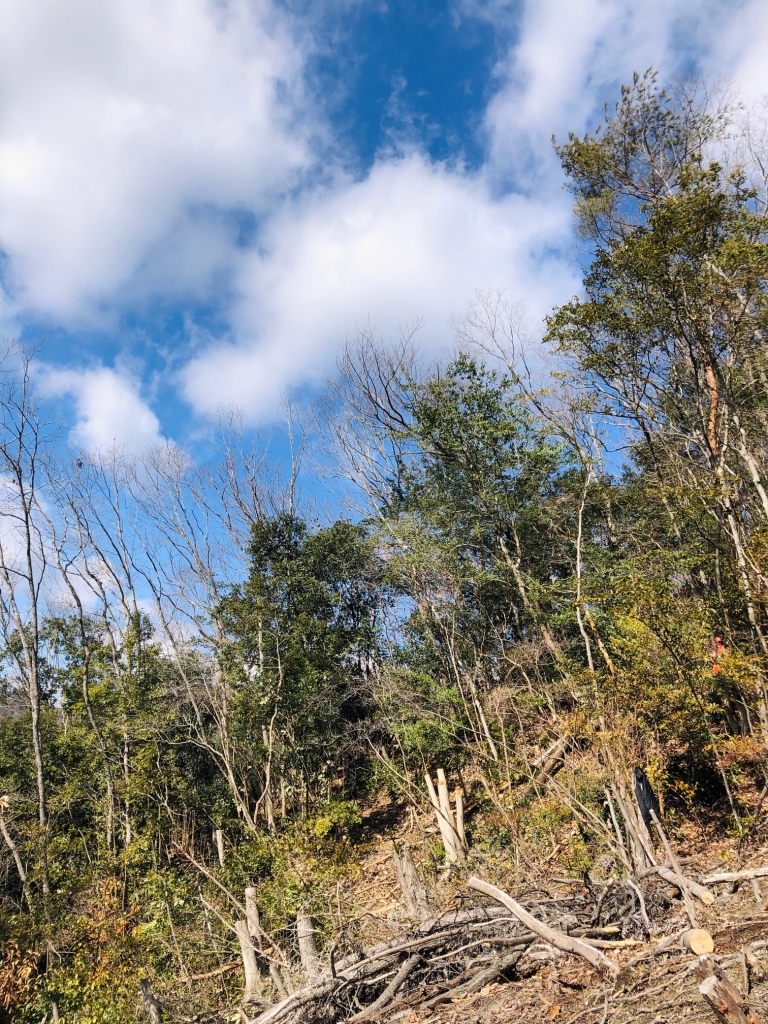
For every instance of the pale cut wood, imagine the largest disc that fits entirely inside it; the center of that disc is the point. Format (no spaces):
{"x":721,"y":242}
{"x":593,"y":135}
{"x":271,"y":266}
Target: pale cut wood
{"x":445,"y":806}
{"x":218,"y":838}
{"x":252,"y":991}
{"x":458,"y":799}
{"x":565,"y":942}
{"x":701,"y":891}
{"x":444,"y":824}
{"x":698,"y":940}
{"x":735,"y":876}
{"x":310,"y":961}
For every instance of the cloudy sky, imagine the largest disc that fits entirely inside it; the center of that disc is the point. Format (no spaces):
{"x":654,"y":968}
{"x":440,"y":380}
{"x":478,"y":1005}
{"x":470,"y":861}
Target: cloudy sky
{"x":200,"y":199}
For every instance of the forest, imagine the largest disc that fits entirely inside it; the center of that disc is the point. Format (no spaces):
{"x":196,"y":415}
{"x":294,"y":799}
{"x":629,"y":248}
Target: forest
{"x":218,"y":682}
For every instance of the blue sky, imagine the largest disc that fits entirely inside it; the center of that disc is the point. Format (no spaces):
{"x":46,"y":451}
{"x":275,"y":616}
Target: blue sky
{"x":200,"y":199}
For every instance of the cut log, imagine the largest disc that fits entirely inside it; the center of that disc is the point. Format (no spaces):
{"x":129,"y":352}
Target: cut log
{"x":557,"y":939}
{"x":735,"y":876}
{"x":414,"y":893}
{"x":310,"y":961}
{"x":701,"y":891}
{"x":152,"y":1007}
{"x":698,"y":940}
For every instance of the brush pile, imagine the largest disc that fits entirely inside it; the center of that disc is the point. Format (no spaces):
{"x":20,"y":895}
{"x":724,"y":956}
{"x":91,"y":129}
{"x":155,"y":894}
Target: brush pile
{"x":465,"y":949}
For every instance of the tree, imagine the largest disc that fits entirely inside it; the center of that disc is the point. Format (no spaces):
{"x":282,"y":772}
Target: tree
{"x":299,"y":635}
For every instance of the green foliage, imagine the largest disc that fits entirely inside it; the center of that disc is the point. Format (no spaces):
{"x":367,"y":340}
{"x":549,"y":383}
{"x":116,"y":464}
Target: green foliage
{"x":515,"y":581}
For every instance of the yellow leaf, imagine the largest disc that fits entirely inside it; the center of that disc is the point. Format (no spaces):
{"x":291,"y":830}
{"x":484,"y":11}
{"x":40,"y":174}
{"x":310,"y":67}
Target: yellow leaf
{"x":554,"y":1011}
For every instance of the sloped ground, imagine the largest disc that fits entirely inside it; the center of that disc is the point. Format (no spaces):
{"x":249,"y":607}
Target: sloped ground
{"x":655,"y":985}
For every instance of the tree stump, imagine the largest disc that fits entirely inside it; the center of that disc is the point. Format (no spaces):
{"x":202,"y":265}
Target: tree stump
{"x":310,"y":961}
{"x":252,"y":991}
{"x":724,"y":999}
{"x":414,"y":893}
{"x":152,"y":1007}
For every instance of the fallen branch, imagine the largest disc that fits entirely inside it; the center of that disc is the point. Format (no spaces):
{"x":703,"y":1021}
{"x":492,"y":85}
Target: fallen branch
{"x":736,"y":876}
{"x":681,"y":882}
{"x":231,"y":966}
{"x":391,"y":990}
{"x":555,"y":938}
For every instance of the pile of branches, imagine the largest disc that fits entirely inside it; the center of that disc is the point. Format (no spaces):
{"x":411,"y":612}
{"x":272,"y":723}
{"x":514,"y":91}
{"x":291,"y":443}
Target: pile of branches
{"x":465,"y":949}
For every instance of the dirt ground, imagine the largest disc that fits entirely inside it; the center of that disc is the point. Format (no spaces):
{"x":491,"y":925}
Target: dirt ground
{"x":657,"y":986}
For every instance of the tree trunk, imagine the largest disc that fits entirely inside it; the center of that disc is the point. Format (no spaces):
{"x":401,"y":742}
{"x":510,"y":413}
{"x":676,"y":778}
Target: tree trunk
{"x":252,"y":991}
{"x":310,"y":962}
{"x":414,"y":893}
{"x":152,"y":1007}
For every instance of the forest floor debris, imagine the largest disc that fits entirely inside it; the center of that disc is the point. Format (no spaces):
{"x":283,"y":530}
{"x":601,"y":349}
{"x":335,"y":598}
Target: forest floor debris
{"x":477,"y":961}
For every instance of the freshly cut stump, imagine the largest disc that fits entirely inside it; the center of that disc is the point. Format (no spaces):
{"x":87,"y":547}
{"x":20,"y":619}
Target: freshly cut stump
{"x":698,"y":940}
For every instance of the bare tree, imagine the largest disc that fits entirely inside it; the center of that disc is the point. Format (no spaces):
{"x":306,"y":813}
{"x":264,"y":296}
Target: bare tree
{"x":25,"y":440}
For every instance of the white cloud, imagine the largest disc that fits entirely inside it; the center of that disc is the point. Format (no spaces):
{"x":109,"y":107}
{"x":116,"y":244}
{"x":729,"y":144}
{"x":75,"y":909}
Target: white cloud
{"x":416,"y":238}
{"x":119,"y":117}
{"x":569,"y":58}
{"x":133,"y":132}
{"x":110,"y":410}
{"x":412,"y":239}
{"x":742,"y":48}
